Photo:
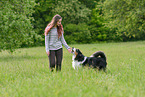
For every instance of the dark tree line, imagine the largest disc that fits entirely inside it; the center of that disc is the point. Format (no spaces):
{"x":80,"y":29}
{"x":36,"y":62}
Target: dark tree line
{"x":85,"y":21}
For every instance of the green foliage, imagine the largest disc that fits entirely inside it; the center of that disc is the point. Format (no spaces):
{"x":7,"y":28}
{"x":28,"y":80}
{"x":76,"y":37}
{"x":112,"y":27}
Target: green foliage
{"x":89,"y":3}
{"x":16,"y":28}
{"x":23,"y":21}
{"x":77,"y":33}
{"x":43,"y":14}
{"x":72,"y":11}
{"x":96,"y":24}
{"x":127,"y":17}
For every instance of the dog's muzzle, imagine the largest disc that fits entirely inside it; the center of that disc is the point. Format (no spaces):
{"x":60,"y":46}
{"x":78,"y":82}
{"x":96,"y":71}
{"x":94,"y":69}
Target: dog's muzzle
{"x":73,"y":50}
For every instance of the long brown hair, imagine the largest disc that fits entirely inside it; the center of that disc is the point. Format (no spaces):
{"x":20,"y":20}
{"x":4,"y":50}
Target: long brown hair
{"x":53,"y":22}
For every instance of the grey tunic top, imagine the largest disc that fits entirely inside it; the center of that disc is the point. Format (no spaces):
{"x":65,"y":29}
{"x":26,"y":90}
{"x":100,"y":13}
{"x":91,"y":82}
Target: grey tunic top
{"x":52,"y":42}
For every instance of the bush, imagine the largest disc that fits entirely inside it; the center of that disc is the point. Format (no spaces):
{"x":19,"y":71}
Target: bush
{"x":16,"y":28}
{"x":72,"y":12}
{"x":77,"y":33}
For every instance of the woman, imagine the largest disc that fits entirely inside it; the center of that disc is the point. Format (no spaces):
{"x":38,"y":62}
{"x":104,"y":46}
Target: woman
{"x":53,"y":42}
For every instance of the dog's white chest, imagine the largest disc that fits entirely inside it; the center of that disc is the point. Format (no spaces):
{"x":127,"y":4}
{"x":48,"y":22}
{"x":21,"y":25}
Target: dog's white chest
{"x":75,"y":64}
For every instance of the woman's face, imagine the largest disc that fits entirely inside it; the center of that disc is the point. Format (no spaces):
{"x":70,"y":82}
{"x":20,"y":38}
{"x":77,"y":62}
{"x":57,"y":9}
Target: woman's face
{"x":59,"y":22}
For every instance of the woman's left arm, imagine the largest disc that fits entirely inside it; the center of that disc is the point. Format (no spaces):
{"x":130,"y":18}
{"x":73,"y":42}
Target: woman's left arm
{"x":65,"y":44}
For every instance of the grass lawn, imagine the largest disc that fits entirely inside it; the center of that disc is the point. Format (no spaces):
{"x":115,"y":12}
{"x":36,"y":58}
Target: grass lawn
{"x":26,"y":73}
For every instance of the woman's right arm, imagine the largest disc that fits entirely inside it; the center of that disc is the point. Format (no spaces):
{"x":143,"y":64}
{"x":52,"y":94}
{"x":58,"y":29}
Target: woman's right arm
{"x":47,"y":44}
{"x":47,"y":41}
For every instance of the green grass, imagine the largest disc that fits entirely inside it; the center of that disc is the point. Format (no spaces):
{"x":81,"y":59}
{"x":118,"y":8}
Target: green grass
{"x":26,"y":73}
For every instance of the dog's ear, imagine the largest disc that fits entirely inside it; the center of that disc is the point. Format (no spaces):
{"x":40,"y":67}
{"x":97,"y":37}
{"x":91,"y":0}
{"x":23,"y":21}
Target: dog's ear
{"x":79,"y":52}
{"x":79,"y":57}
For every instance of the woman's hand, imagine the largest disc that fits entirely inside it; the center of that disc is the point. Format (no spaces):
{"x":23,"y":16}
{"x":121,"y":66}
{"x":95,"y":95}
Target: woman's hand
{"x":48,"y":53}
{"x":69,"y":50}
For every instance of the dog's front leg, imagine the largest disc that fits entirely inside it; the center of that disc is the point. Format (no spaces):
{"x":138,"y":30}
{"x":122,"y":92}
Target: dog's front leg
{"x":73,"y":64}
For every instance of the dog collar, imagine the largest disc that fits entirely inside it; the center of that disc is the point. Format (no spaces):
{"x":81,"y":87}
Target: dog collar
{"x":84,"y":60}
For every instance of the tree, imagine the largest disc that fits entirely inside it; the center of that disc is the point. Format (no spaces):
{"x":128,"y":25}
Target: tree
{"x":74,"y":18}
{"x":72,"y":11}
{"x":77,"y":33}
{"x":96,"y":24}
{"x":127,"y":17}
{"x":15,"y":21}
{"x":89,"y":3}
{"x":43,"y":14}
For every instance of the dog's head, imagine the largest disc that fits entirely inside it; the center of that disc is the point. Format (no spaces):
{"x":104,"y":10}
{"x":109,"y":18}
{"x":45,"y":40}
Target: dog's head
{"x":78,"y":54}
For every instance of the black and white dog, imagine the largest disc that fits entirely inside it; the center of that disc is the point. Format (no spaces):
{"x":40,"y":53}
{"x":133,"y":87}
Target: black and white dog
{"x":96,"y":60}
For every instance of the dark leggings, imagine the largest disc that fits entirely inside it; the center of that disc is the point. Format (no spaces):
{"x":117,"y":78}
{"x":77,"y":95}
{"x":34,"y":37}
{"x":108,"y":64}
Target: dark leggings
{"x":55,"y":55}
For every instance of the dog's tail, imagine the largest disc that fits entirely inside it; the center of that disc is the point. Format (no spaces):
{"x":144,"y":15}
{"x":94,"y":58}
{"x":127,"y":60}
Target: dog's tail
{"x":99,"y":53}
